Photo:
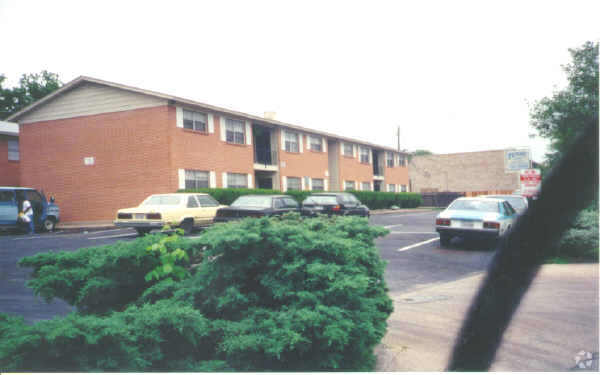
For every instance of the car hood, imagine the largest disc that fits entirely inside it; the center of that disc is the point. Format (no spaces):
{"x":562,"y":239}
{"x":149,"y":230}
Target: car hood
{"x":229,"y":208}
{"x":149,"y":209}
{"x":468,"y":215}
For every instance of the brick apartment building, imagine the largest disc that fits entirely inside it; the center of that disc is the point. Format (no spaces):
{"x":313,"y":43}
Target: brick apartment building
{"x":472,"y":173}
{"x":98,"y":146}
{"x":9,"y":154}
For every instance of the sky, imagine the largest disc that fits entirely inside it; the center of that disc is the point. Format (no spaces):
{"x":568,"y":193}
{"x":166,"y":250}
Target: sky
{"x":455,"y":76}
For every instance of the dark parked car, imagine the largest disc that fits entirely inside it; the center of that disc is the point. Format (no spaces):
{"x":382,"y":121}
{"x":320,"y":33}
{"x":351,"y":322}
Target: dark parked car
{"x":257,"y":206}
{"x":333,"y":204}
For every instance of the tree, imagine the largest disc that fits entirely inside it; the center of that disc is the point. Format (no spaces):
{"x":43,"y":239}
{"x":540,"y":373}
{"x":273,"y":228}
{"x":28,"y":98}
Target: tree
{"x":31,"y":87}
{"x":422,"y":152}
{"x":569,"y":110}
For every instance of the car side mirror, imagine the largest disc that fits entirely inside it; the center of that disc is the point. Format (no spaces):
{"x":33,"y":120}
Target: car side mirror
{"x":52,"y":199}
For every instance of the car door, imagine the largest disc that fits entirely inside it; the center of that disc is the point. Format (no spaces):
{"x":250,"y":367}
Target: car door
{"x":193,"y":209}
{"x":209,"y":207}
{"x":37,"y":203}
{"x":8,"y":208}
{"x":279,"y":206}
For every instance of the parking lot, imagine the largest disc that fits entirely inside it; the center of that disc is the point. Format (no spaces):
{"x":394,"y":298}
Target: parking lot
{"x":431,"y":287}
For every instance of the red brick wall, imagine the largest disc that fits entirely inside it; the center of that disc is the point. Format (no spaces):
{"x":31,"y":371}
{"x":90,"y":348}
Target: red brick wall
{"x":397,"y":175}
{"x":309,"y":163}
{"x":206,"y":152}
{"x":9,"y":170}
{"x":131,"y":160}
{"x":351,"y":169}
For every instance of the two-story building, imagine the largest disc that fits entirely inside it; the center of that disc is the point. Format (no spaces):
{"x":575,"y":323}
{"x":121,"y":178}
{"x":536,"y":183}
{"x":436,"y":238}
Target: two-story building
{"x":98,"y":146}
{"x":9,"y":154}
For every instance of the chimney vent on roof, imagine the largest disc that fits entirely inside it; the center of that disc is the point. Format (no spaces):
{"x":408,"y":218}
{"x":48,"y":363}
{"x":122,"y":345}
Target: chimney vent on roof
{"x":270,"y":115}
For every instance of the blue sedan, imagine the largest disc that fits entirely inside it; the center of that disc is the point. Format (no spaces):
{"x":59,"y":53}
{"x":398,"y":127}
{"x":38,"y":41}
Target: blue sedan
{"x":475,"y":218}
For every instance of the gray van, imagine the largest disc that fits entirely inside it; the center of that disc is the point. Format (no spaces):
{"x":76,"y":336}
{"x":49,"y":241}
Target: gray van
{"x":45,"y":214}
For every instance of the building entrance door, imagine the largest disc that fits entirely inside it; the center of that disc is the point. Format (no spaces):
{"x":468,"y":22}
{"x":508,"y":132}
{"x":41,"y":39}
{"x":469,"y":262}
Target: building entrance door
{"x":377,"y":185}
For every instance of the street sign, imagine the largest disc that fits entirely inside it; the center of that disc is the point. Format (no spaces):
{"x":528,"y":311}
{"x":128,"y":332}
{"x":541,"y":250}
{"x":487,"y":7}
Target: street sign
{"x":531,"y":182}
{"x":515,"y":160}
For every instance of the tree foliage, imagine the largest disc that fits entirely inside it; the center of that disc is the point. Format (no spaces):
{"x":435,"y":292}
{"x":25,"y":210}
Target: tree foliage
{"x":31,"y":87}
{"x":270,"y":294}
{"x":567,"y":111}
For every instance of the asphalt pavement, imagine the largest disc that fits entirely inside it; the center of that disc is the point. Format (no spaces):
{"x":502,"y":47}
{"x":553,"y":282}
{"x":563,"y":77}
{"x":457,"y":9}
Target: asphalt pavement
{"x":431,"y":286}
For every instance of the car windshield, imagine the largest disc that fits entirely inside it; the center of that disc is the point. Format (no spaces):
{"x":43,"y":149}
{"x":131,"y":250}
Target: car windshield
{"x":167,"y":200}
{"x":516,"y":202}
{"x":250,"y":201}
{"x":474,"y":205}
{"x":321,"y":199}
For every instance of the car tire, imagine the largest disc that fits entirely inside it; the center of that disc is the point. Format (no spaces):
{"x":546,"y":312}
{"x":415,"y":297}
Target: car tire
{"x":445,"y":239}
{"x":48,"y":224}
{"x":142,"y":231}
{"x":187,"y":225}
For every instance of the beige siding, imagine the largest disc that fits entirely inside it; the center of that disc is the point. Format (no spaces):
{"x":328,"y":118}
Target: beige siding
{"x":90,"y":99}
{"x":333,"y":152}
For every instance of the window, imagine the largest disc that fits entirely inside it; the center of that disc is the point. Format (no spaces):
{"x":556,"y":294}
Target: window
{"x":315,"y":143}
{"x":196,"y":179}
{"x":234,"y":131}
{"x":278,"y":203}
{"x":192,"y":202}
{"x":293,"y":183}
{"x":207,"y":201}
{"x":290,"y":203}
{"x":307,"y":183}
{"x":349,"y":199}
{"x":349,"y":185}
{"x":403,"y":188}
{"x":169,"y":200}
{"x":253,"y":201}
{"x":13,"y":150}
{"x":194,"y":121}
{"x":392,"y":188}
{"x":291,"y":142}
{"x":237,"y":180}
{"x":348,"y":149}
{"x":402,"y":160}
{"x":7,"y":196}
{"x":365,"y":154}
{"x":366,"y":186}
{"x":390,"y":159}
{"x":318,"y":184}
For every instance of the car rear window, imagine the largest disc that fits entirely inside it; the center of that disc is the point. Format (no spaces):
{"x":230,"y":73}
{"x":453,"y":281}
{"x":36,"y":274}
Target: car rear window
{"x":475,"y":205}
{"x":207,"y":201}
{"x":247,"y":201}
{"x":167,"y":200}
{"x":321,"y":199}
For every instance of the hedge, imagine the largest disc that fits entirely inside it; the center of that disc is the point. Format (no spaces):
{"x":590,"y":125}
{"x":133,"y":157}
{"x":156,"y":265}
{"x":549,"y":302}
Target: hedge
{"x":269,"y":294}
{"x":372,"y":199}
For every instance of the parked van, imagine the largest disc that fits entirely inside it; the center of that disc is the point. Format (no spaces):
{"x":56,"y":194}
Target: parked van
{"x":45,"y":214}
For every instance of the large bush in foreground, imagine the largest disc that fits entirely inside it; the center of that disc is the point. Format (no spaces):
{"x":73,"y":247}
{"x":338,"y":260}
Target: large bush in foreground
{"x":580,"y":241}
{"x":270,"y":294}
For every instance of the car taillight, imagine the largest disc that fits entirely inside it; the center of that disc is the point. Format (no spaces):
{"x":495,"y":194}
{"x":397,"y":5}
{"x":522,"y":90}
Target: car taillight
{"x":155,"y":216}
{"x":442,"y":222}
{"x":336,"y":208}
{"x":124,"y":216}
{"x":491,"y":225}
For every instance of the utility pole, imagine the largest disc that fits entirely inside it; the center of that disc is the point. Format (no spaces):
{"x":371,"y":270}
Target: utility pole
{"x":399,"y":150}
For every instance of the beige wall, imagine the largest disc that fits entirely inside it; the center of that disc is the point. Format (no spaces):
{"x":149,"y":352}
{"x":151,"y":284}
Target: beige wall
{"x":462,"y":172}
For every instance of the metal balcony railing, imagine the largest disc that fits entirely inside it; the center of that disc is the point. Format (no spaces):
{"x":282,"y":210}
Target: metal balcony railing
{"x":266,"y":156}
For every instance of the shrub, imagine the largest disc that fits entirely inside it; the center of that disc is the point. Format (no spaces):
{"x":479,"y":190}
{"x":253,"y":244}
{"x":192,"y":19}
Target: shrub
{"x":98,"y":279}
{"x":271,"y":294}
{"x":580,"y":242}
{"x":372,"y":199}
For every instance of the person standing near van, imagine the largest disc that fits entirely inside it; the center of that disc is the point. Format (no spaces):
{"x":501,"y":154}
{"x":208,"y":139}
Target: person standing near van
{"x":28,"y":211}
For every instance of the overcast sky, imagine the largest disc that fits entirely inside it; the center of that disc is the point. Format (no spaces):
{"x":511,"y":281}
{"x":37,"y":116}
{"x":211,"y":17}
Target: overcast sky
{"x":456,"y":76}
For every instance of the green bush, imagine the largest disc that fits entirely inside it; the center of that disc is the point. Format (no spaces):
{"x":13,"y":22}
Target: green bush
{"x":580,"y":242}
{"x":372,"y":199}
{"x":271,"y":294}
{"x":98,"y":279}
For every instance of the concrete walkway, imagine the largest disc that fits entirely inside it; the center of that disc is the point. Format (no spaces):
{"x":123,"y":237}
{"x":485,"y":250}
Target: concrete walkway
{"x":557,"y":319}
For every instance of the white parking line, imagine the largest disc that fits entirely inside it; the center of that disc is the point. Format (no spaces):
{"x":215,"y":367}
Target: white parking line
{"x":396,"y":232}
{"x":391,"y":226}
{"x":418,"y":244}
{"x":36,"y":237}
{"x":108,"y":230}
{"x":115,"y":236}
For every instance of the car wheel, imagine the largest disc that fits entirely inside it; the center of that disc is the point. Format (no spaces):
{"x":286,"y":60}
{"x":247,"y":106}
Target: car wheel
{"x":142,"y":231}
{"x":49,"y":224}
{"x":444,"y":239}
{"x":187,"y":226}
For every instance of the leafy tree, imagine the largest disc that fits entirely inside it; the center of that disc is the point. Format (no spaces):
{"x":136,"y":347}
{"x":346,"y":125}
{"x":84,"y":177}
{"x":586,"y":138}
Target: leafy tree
{"x":562,"y":115}
{"x":422,"y":152}
{"x":31,"y":87}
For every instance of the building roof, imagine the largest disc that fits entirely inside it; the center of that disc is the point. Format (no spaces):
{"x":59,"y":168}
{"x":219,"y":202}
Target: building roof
{"x":9,"y":128}
{"x":182,"y":101}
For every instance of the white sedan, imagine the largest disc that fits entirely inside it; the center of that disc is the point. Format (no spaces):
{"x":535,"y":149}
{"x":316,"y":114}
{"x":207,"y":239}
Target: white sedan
{"x":475,"y":218}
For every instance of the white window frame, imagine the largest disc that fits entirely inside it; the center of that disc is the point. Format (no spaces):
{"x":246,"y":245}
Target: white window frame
{"x":348,"y":182}
{"x":392,"y":188}
{"x":234,"y":180}
{"x":196,"y":178}
{"x":290,"y":142}
{"x":14,"y":153}
{"x":322,"y":182}
{"x":344,"y":149}
{"x":390,"y":157}
{"x":367,"y":185}
{"x":199,"y":120}
{"x":293,"y":180}
{"x":403,"y":188}
{"x":365,"y":151}
{"x":233,"y":128}
{"x":315,"y":140}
